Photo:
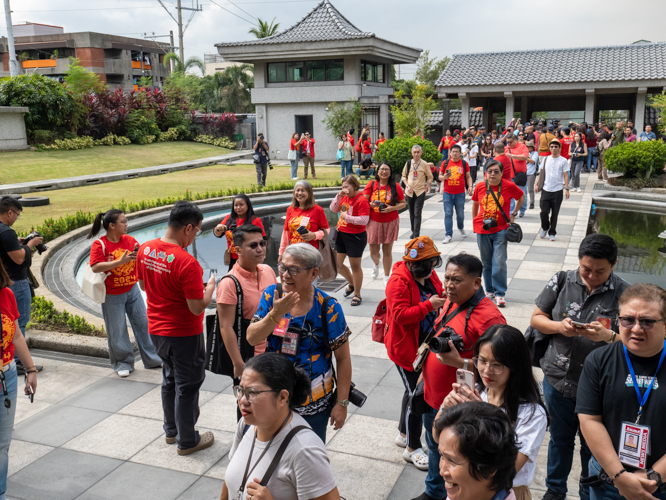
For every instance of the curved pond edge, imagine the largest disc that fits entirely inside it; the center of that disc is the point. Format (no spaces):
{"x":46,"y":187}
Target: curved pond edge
{"x":649,"y":200}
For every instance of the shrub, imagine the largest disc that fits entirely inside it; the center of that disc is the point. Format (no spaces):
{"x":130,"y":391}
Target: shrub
{"x":44,"y":315}
{"x":141,"y":125}
{"x":111,"y":140}
{"x":641,"y":160}
{"x":169,"y":135}
{"x":222,"y":142}
{"x":397,"y":151}
{"x":43,"y":137}
{"x":634,"y":183}
{"x":69,"y":144}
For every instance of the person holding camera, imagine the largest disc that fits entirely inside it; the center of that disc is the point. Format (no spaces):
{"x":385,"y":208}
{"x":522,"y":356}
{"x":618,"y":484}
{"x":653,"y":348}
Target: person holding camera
{"x":295,"y":145}
{"x":455,"y":175}
{"x":470,"y":153}
{"x":304,"y":323}
{"x":307,"y":148}
{"x":491,"y":204}
{"x":554,"y":182}
{"x":466,"y":314}
{"x":241,"y":213}
{"x":261,"y":159}
{"x":417,"y":178}
{"x":16,"y":256}
{"x":413,"y":299}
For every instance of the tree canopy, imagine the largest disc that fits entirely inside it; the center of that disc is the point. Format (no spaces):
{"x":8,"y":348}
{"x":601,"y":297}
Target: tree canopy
{"x":264,"y":29}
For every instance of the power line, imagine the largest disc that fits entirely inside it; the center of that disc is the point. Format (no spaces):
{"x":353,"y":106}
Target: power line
{"x":233,"y":13}
{"x":153,"y":6}
{"x":243,"y":10}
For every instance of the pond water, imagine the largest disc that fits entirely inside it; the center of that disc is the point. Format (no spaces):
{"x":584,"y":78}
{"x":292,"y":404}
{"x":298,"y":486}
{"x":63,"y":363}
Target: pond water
{"x":642,"y":254}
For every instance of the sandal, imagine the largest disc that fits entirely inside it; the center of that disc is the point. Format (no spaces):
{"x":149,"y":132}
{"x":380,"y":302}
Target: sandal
{"x":356,"y":300}
{"x":349,"y":290}
{"x":416,"y":457}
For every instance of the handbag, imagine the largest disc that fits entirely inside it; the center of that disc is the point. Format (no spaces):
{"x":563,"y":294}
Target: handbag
{"x":256,"y":158}
{"x":596,"y":152}
{"x":514,"y":233}
{"x":328,"y":270}
{"x":292,"y":155}
{"x":379,"y":323}
{"x":537,"y":342}
{"x":93,"y":284}
{"x":340,"y":155}
{"x":520,"y":178}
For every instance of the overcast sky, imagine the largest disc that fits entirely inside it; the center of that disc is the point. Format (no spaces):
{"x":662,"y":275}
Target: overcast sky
{"x":443,"y":26}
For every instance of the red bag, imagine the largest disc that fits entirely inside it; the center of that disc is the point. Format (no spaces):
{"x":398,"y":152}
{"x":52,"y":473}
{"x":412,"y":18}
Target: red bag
{"x":359,"y":145}
{"x":379,"y":324}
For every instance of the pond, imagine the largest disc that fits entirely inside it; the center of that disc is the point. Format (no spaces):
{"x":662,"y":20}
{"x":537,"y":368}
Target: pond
{"x":642,"y":254}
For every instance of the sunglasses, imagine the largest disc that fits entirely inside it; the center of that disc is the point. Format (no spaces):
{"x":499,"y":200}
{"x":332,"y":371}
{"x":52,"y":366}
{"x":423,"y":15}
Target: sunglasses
{"x":493,"y":172}
{"x":645,"y":323}
{"x":256,"y":244}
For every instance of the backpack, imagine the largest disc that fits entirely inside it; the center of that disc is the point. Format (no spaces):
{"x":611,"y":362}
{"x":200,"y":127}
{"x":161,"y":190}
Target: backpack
{"x":465,"y":164}
{"x":379,"y":323}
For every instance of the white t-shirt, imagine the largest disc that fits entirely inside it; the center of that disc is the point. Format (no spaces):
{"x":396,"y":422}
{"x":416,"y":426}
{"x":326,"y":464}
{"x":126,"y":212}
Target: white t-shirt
{"x":304,"y":472}
{"x":530,"y":431}
{"x":468,"y":159}
{"x":554,"y":172}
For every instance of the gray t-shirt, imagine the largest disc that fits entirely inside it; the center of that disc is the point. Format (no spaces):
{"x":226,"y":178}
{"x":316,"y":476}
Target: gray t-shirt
{"x":304,"y":472}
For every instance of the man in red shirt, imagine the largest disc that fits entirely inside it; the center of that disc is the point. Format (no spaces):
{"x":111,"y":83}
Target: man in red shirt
{"x":308,"y":155}
{"x":455,"y":175}
{"x":490,"y":211}
{"x":566,"y":142}
{"x":177,"y":298}
{"x":518,"y":155}
{"x":469,"y":313}
{"x":504,"y":160}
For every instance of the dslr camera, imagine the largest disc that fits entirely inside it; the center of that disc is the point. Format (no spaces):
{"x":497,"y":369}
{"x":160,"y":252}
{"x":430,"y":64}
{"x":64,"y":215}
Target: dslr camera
{"x":489,"y":224}
{"x":41,"y":248}
{"x":356,"y":397}
{"x":382,"y":207}
{"x":441,"y":342}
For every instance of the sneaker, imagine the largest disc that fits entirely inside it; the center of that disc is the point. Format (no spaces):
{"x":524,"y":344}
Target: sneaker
{"x":375,"y":271}
{"x":552,"y":237}
{"x":499,"y":301}
{"x":521,"y":214}
{"x":531,"y":206}
{"x":206,"y":441}
{"x":462,"y":232}
{"x":447,"y":239}
{"x":401,"y":441}
{"x":170,"y":440}
{"x":294,"y":178}
{"x":543,"y":233}
{"x":386,"y":278}
{"x":123,"y":373}
{"x":551,"y":495}
{"x":490,"y":296}
{"x":417,"y":457}
{"x":578,"y":189}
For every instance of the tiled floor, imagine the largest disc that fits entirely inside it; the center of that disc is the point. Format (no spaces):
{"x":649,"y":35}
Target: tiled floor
{"x":91,"y":435}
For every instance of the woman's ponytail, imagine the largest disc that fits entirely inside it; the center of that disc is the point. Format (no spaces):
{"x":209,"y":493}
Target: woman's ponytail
{"x":103,"y":220}
{"x":97,"y":225}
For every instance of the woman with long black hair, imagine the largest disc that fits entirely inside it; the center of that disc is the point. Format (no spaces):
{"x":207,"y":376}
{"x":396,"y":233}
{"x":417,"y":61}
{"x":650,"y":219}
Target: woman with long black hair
{"x":503,"y":377}
{"x":578,"y":154}
{"x":386,"y":199}
{"x":115,"y":254}
{"x":241,"y":213}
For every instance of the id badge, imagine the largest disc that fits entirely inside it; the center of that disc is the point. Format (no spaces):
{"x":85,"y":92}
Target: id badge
{"x":420,"y":357}
{"x":634,"y":444}
{"x":605,"y":322}
{"x":304,"y":221}
{"x":290,"y":343}
{"x":281,"y":328}
{"x":415,"y":174}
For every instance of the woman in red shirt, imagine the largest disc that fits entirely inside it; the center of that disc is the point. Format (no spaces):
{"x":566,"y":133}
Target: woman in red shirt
{"x":354,"y":212}
{"x":386,"y":199}
{"x":306,"y":221}
{"x":366,"y":144}
{"x":242,"y":213}
{"x":381,"y":140}
{"x":115,"y":253}
{"x":294,"y":153}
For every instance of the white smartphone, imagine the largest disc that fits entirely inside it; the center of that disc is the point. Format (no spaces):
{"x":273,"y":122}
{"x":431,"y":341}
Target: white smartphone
{"x":465,"y":377}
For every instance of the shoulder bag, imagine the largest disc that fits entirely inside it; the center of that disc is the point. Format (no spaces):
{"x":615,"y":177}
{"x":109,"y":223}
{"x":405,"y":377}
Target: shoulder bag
{"x":292,"y":155}
{"x":520,"y":178}
{"x":538,"y":342}
{"x":341,"y":153}
{"x":93,"y":285}
{"x":542,"y":175}
{"x":514,"y":233}
{"x":217,"y":358}
{"x":328,"y":270}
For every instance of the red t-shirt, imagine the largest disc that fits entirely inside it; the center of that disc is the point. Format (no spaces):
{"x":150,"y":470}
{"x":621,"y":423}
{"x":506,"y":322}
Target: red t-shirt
{"x":293,"y":145}
{"x":566,"y":143}
{"x":457,"y":183}
{"x":446,"y":142}
{"x":351,"y":140}
{"x":9,"y":316}
{"x":229,"y":234}
{"x":122,"y":278}
{"x":313,"y":220}
{"x":380,"y":141}
{"x":170,"y":276}
{"x":488,"y":208}
{"x":367,"y":147}
{"x":439,"y":378}
{"x":356,"y":207}
{"x":382,"y":193}
{"x":507,"y":173}
{"x":519,"y":165}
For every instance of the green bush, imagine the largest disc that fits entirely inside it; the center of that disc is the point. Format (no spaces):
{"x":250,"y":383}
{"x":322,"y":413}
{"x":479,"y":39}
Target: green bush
{"x":44,"y":315}
{"x":398,"y":151}
{"x":170,"y":135}
{"x":222,"y":142}
{"x":141,"y":126}
{"x":111,"y":140}
{"x":44,"y":136}
{"x":641,"y":160}
{"x":69,"y":144}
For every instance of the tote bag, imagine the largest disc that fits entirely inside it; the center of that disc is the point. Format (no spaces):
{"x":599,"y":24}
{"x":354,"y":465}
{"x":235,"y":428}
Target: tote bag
{"x":328,"y":270}
{"x":291,"y":155}
{"x":93,"y":285}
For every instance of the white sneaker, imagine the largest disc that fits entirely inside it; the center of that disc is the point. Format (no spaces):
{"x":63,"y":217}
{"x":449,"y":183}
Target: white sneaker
{"x":294,"y":178}
{"x":401,"y":441}
{"x":543,"y":233}
{"x":386,"y":278}
{"x":447,"y":239}
{"x":123,"y":373}
{"x":552,"y":237}
{"x":417,"y":457}
{"x":578,"y":189}
{"x":462,"y":232}
{"x":375,"y":271}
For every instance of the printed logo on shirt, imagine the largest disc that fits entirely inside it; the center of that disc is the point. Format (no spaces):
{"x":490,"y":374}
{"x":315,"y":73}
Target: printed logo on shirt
{"x":146,"y":251}
{"x":161,"y":255}
{"x":489,"y":206}
{"x":456,"y":174}
{"x":153,"y":254}
{"x":643,"y":381}
{"x":170,"y":258}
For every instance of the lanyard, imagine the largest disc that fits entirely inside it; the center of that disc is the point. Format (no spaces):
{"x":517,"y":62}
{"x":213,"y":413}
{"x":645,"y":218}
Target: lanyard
{"x":415,"y":166}
{"x":248,"y":471}
{"x":642,"y":400}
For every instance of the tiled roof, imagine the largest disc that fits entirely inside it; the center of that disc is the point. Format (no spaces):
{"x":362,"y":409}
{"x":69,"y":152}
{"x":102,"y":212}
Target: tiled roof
{"x":587,"y":64}
{"x":455,"y":118}
{"x":324,"y":22}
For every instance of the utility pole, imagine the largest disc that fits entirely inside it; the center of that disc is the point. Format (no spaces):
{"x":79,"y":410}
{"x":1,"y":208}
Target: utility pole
{"x":13,"y":64}
{"x":173,"y":47}
{"x":179,"y":22}
{"x":180,"y":33}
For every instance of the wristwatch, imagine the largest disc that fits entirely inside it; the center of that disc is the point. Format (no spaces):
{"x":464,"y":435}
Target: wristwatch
{"x":653,"y":475}
{"x":343,"y":402}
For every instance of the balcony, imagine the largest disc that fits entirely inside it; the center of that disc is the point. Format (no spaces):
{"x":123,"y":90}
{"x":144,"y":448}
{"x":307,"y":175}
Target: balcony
{"x":137,"y":65}
{"x":39,"y":63}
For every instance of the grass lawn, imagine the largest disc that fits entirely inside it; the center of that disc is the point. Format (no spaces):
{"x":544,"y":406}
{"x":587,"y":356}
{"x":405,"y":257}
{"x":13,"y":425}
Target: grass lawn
{"x":26,"y":166}
{"x":101,"y":197}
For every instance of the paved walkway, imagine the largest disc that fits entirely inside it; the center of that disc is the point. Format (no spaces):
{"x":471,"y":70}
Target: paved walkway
{"x":91,"y":435}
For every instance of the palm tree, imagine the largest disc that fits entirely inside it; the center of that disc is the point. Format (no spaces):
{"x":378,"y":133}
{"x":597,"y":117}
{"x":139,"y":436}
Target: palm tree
{"x":264,"y":29}
{"x":230,"y":89}
{"x":181,"y":67}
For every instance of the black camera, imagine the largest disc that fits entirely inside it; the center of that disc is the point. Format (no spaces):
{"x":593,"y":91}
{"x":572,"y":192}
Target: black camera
{"x":382,"y":207}
{"x":41,"y":248}
{"x":356,"y":397}
{"x":441,"y":342}
{"x":489,"y":224}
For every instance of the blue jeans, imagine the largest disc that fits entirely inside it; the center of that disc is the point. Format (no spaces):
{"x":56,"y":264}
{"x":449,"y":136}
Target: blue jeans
{"x":513,"y":201}
{"x":121,"y":353}
{"x":368,"y":173}
{"x":450,"y":201}
{"x":319,"y":422}
{"x":591,"y":160}
{"x":608,"y":492}
{"x":294,"y":168}
{"x":346,"y":167}
{"x":6,"y":427}
{"x":493,"y":256}
{"x":21,"y":289}
{"x":434,"y":481}
{"x":563,"y":429}
{"x":445,"y":154}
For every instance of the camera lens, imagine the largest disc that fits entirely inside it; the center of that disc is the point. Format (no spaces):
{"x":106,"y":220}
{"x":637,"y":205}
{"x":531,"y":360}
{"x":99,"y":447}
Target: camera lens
{"x":439,"y":344}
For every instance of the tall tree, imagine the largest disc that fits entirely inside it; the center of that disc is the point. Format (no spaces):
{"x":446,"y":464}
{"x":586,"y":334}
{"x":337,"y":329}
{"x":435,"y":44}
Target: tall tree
{"x":264,"y":29}
{"x":428,"y":69}
{"x":410,"y":115}
{"x":232,"y":88}
{"x":81,"y":83}
{"x":183,"y":67}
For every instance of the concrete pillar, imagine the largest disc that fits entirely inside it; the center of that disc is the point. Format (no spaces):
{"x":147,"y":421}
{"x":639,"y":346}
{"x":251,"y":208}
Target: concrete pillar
{"x":524,"y":112}
{"x":384,"y":118}
{"x":510,"y":105}
{"x":465,"y":110}
{"x":589,"y":106}
{"x":446,"y":115}
{"x":639,"y":114}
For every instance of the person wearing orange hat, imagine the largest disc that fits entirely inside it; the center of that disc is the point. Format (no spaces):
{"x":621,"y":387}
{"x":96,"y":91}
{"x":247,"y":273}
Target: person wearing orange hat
{"x":413,"y":298}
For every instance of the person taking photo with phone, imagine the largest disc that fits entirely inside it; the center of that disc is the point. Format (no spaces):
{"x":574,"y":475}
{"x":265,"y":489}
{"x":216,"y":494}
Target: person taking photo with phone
{"x":241,"y":213}
{"x":305,"y":221}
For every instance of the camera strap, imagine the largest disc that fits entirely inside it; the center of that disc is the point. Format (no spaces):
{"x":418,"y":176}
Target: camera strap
{"x":446,"y":320}
{"x":497,"y":203}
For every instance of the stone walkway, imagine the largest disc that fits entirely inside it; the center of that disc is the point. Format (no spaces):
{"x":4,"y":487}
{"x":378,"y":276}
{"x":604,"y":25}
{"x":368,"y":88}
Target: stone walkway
{"x":91,"y":435}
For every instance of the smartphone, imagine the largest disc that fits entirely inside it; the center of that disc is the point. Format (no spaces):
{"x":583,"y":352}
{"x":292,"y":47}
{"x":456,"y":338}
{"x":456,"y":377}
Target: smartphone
{"x":206,"y":275}
{"x":302,"y":230}
{"x":30,"y":396}
{"x":577,"y":324}
{"x":465,"y":377}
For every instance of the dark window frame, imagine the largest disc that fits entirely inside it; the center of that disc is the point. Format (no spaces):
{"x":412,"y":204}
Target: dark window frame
{"x":374,"y":68}
{"x":339,"y":65}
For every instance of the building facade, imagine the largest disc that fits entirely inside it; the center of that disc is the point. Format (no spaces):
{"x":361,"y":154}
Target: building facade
{"x":119,"y":61}
{"x":321,"y":59}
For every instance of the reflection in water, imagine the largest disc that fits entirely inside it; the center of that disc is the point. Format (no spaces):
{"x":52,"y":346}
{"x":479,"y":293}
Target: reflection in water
{"x":642,"y":254}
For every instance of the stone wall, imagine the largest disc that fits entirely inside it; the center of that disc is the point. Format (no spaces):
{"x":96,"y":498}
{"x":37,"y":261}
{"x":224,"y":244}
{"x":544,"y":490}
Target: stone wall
{"x":12,"y":128}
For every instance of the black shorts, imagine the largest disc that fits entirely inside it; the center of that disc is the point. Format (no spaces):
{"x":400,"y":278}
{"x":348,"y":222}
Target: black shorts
{"x":351,"y":244}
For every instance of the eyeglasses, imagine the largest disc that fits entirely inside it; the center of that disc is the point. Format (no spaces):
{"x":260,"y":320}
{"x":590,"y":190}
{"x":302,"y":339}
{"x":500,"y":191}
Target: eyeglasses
{"x":292,"y":270}
{"x":493,"y":172}
{"x":645,"y":323}
{"x":250,"y":394}
{"x":256,"y":244}
{"x":521,"y":135}
{"x":199,"y":231}
{"x":495,"y":368}
{"x":18,"y":215}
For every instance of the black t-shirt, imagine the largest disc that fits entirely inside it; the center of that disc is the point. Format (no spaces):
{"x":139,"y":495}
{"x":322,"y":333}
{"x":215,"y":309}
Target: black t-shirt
{"x":427,"y":290}
{"x":8,"y":243}
{"x":606,"y":388}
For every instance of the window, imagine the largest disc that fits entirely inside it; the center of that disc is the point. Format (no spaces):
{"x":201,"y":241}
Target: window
{"x":300,"y":71}
{"x":372,"y":72}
